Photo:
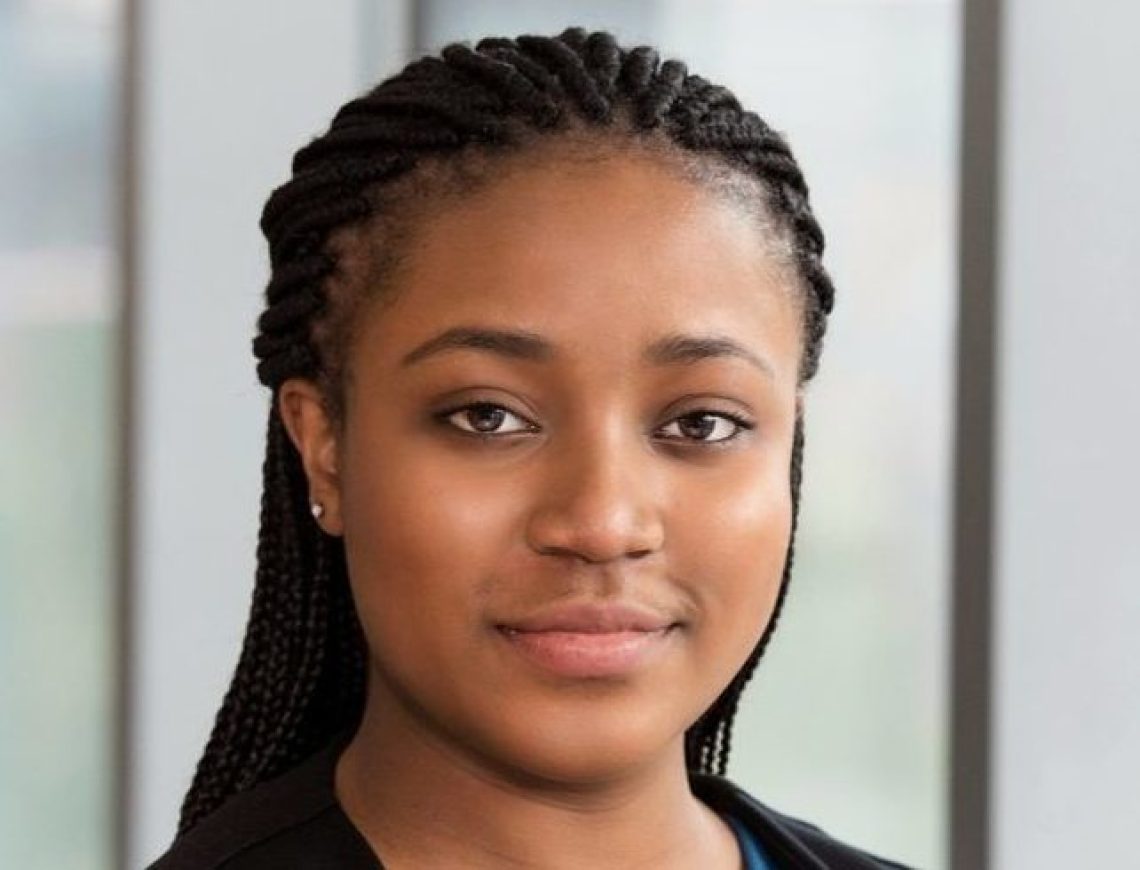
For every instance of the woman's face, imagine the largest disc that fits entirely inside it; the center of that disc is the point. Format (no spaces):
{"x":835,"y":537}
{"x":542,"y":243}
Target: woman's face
{"x":561,"y":543}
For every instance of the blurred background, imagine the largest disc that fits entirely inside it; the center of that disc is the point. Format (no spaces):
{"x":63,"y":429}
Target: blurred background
{"x":955,"y":683}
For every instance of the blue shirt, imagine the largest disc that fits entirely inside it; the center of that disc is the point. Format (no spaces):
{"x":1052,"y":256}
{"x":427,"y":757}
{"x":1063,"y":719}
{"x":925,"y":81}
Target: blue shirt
{"x":755,"y":858}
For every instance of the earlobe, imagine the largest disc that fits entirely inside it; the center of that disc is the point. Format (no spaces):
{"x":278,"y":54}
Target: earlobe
{"x":302,"y":409}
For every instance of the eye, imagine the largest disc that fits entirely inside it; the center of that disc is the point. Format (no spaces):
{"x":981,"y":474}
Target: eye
{"x":483,"y":419}
{"x":697,"y":426}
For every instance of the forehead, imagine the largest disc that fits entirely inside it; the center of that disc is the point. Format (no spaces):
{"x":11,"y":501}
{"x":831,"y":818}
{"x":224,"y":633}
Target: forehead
{"x":601,"y":256}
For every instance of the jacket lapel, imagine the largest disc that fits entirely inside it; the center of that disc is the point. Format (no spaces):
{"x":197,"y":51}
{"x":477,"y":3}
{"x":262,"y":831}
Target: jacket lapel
{"x":787,"y":849}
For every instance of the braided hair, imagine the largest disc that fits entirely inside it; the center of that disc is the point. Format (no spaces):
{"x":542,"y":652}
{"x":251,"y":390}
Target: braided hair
{"x":437,"y":126}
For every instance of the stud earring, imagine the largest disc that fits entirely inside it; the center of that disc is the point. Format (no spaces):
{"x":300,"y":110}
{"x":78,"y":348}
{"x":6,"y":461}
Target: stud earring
{"x":317,"y":510}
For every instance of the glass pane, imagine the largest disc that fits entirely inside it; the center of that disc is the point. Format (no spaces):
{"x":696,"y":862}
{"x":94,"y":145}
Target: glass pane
{"x":845,"y":724}
{"x":58,"y":89}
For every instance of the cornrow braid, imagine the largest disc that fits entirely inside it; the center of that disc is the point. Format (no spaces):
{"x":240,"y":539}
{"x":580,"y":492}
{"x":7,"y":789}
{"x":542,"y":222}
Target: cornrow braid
{"x":300,"y":677}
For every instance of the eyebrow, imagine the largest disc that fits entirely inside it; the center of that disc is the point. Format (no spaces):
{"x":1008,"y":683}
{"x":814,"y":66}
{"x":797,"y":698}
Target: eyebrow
{"x":674,"y":349}
{"x":681,"y":349}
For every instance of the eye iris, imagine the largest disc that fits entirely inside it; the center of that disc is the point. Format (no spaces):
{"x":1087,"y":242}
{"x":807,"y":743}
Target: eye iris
{"x":485,"y":418}
{"x":699,"y":430}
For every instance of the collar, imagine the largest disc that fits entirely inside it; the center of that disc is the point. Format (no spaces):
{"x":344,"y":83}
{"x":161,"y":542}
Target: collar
{"x":775,"y":832}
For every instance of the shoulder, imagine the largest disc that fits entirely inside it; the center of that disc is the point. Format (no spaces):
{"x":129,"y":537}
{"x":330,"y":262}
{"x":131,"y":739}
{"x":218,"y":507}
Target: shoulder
{"x":291,"y":820}
{"x":792,"y":843}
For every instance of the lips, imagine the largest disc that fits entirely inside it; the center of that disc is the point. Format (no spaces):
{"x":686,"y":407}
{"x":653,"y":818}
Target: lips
{"x":592,"y":618}
{"x":591,"y":640}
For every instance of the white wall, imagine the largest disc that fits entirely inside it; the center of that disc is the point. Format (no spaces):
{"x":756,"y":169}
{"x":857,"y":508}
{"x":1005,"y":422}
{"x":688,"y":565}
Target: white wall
{"x":1067,"y":706}
{"x":228,"y":92}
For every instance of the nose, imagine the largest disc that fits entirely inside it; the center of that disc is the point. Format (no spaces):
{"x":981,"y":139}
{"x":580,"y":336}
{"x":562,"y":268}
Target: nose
{"x":599,"y":501}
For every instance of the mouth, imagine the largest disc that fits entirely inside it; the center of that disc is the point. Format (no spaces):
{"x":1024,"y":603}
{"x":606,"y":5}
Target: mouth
{"x":591,"y":639}
{"x":593,"y":654}
{"x":593,"y":617}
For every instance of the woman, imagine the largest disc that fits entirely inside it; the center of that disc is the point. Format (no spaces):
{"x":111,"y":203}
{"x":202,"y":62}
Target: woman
{"x":540,"y":317}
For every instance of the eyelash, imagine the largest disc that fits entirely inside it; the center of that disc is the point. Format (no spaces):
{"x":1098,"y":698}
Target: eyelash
{"x":743,"y":424}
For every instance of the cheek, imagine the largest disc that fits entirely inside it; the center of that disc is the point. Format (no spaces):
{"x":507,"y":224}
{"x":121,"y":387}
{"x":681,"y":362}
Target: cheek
{"x":420,"y":539}
{"x":730,"y":554}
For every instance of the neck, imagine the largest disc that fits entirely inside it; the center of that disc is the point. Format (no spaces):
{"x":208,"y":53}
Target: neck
{"x":420,"y":801}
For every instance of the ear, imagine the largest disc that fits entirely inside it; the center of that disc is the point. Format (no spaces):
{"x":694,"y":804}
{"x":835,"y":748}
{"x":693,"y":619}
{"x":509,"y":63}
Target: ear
{"x":313,"y":433}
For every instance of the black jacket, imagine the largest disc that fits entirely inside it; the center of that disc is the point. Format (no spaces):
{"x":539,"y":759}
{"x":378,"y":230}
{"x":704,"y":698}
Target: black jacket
{"x":295,"y":821}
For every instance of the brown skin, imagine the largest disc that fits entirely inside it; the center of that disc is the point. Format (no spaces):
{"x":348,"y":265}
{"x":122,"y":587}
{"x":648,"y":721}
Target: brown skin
{"x":597,"y":486}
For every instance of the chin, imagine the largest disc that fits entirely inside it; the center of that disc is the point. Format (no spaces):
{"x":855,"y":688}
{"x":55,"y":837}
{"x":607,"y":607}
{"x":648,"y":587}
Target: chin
{"x":583,"y":748}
